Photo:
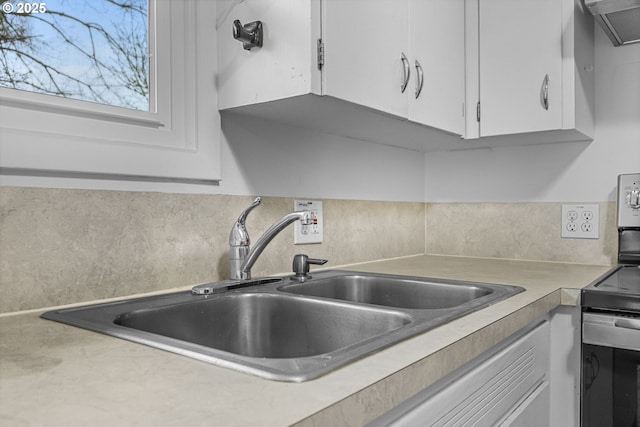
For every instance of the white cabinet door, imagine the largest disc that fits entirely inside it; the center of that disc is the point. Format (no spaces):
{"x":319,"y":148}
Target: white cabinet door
{"x":364,"y":41}
{"x":520,"y":55}
{"x":437,"y":48}
{"x":284,"y":67}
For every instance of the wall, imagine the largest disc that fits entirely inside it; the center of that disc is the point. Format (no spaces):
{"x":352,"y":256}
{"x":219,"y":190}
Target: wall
{"x":506,"y":202}
{"x":268,"y":159}
{"x":69,"y":240}
{"x":567,"y":172}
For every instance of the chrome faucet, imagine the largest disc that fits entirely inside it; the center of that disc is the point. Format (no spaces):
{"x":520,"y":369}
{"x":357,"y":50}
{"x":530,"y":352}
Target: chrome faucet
{"x":239,"y":241}
{"x":241,"y":255}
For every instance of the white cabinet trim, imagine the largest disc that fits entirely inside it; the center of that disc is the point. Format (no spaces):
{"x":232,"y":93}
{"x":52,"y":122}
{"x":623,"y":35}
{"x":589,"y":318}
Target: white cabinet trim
{"x":179,"y":141}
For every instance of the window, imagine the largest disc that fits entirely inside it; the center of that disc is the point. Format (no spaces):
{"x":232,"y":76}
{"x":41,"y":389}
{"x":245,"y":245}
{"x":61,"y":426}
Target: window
{"x":91,"y":50}
{"x":171,"y":131}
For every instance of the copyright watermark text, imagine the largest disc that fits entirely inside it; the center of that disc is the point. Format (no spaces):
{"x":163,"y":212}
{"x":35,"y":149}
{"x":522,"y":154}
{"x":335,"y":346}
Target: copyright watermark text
{"x":23,"y":8}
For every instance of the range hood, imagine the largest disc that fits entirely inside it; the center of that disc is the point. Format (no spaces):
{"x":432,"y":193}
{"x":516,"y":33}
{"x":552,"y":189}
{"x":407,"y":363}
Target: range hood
{"x":620,"y":19}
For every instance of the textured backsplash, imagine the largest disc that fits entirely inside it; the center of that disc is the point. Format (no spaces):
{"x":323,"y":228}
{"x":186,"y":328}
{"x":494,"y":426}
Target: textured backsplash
{"x":517,"y":231}
{"x":62,"y":246}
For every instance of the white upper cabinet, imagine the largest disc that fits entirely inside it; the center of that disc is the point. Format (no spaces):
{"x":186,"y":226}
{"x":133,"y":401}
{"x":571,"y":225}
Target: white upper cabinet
{"x":366,"y":53}
{"x":529,"y":69}
{"x":437,"y":57}
{"x":413,"y":73}
{"x":349,"y":68}
{"x":518,"y":73}
{"x":402,"y":57}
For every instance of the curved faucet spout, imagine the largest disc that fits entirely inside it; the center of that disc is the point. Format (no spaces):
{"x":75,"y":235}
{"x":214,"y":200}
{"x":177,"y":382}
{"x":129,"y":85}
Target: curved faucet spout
{"x":304,"y":217}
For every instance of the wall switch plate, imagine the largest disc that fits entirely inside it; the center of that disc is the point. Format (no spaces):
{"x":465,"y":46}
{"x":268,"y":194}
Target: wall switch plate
{"x":580,"y":221}
{"x":313,"y":233}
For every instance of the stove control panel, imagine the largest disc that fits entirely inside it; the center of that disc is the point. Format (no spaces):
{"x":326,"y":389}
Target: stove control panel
{"x":629,"y":200}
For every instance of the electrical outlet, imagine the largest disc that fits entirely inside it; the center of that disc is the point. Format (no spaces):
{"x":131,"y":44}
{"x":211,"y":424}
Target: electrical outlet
{"x":580,"y":221}
{"x":312,"y":233}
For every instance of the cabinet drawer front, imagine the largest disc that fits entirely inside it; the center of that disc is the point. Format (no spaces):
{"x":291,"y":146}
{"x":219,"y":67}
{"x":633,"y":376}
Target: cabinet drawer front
{"x":483,"y":392}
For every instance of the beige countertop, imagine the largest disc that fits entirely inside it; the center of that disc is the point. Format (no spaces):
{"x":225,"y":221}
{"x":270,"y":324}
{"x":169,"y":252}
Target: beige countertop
{"x":54,"y":374}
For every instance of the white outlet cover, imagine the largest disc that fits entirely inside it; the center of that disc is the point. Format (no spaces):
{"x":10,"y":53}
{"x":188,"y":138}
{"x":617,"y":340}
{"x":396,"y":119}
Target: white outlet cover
{"x":580,"y":222}
{"x":314,"y":233}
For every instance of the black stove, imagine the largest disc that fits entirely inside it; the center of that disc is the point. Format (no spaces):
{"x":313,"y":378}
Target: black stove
{"x":618,"y":290}
{"x":611,"y":326}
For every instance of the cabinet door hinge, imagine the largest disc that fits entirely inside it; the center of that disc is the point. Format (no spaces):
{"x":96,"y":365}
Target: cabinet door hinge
{"x":320,"y":54}
{"x":478,"y":111}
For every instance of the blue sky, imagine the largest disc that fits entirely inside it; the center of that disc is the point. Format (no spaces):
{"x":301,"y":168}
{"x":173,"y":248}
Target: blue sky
{"x":55,"y":51}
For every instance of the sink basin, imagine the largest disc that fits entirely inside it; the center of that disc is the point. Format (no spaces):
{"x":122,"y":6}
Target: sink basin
{"x":288,"y":331}
{"x":391,"y":291}
{"x":266,"y":325}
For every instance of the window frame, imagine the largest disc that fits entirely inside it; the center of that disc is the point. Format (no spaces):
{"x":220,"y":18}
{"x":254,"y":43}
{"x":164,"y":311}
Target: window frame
{"x":178,"y":139}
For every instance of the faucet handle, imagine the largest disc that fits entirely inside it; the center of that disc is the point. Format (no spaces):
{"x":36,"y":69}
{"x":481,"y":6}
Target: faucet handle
{"x":243,"y":216}
{"x":301,"y":266}
{"x":239,"y":235}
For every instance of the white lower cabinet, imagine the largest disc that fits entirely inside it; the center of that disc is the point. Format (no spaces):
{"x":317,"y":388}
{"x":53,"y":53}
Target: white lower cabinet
{"x":529,"y":412}
{"x":508,"y":385}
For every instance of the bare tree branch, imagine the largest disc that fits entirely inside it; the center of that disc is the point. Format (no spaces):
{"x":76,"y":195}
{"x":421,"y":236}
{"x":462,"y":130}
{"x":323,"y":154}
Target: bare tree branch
{"x":121,"y":76}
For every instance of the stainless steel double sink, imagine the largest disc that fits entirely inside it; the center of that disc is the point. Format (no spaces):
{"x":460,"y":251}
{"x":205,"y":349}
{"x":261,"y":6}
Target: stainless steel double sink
{"x":288,"y":331}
